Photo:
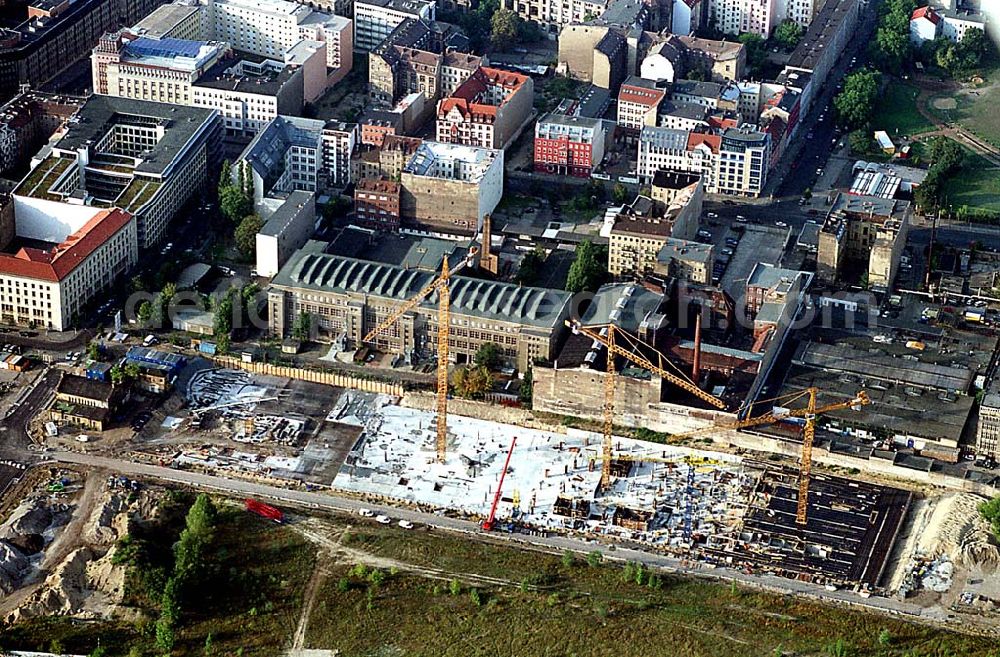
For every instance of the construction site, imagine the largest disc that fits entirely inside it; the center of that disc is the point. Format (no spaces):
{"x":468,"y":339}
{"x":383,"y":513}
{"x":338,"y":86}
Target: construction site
{"x":716,"y":508}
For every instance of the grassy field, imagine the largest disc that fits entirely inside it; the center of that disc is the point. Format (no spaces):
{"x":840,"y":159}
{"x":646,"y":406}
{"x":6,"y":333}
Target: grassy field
{"x":539,"y":604}
{"x":976,"y":111}
{"x":977,"y":185}
{"x":586,"y":611}
{"x":896,"y":111}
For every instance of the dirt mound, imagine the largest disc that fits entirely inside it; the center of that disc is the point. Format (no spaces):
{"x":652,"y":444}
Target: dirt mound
{"x":29,"y":544}
{"x":13,"y":565}
{"x":107,"y":522}
{"x":31,"y":517}
{"x":956,"y":530}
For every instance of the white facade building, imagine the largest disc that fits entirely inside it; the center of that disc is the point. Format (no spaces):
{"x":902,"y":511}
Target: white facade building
{"x":291,"y":223}
{"x":374,"y":20}
{"x":48,"y":287}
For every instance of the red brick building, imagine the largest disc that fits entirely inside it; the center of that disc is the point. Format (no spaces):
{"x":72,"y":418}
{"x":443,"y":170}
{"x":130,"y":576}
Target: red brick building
{"x":376,"y":203}
{"x":569,"y":145}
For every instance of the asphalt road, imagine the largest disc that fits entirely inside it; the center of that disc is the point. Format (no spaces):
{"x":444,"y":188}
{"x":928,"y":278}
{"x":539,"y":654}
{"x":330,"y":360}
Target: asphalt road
{"x":332,"y":502}
{"x":14,"y":441}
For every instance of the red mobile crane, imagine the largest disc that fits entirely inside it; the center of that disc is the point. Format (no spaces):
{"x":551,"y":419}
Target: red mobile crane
{"x":488,"y":523}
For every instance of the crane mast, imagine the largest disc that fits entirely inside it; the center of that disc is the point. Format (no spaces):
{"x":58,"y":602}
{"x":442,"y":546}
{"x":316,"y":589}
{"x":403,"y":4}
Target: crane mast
{"x":440,"y":285}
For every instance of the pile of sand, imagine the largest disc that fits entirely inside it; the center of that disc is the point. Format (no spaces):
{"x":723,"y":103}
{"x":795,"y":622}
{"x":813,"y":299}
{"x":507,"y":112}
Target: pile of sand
{"x":956,"y":530}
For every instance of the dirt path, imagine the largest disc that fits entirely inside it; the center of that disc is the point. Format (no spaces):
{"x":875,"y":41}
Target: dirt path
{"x":331,"y":538}
{"x":68,"y":539}
{"x":930,"y":88}
{"x":308,"y":602}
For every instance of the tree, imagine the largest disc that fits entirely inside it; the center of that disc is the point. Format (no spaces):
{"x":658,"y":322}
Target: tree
{"x":226,"y":176}
{"x":756,"y":49}
{"x":530,"y":268}
{"x":619,"y":194}
{"x":788,"y":34}
{"x":489,"y":355}
{"x":234,"y":204}
{"x":145,"y":311}
{"x":990,"y":511}
{"x":117,"y":375}
{"x":98,"y":651}
{"x":973,"y":47}
{"x":130,"y":372}
{"x":568,"y":558}
{"x":595,"y":558}
{"x":94,"y":351}
{"x":698,"y":74}
{"x":246,"y":234}
{"x":165,"y":635}
{"x":223,"y":323}
{"x":892,"y":47}
{"x":472,"y":382}
{"x":504,"y":28}
{"x":302,"y":327}
{"x":589,"y":269}
{"x":201,"y":518}
{"x":856,"y":102}
{"x":525,"y":392}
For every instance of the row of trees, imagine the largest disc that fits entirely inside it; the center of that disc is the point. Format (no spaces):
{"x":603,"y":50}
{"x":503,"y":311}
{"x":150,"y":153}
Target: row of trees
{"x":892,"y":47}
{"x":946,"y":159}
{"x":956,"y":58}
{"x":236,"y":205}
{"x":489,"y":25}
{"x":189,"y":568}
{"x":234,"y":306}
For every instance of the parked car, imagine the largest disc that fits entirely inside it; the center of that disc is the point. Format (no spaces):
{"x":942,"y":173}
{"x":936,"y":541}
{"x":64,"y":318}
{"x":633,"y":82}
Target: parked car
{"x":383,"y":520}
{"x":365,"y":513}
{"x":405,"y":524}
{"x":781,"y":224}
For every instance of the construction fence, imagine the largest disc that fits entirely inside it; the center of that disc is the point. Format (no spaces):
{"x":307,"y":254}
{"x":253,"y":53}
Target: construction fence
{"x":337,"y":379}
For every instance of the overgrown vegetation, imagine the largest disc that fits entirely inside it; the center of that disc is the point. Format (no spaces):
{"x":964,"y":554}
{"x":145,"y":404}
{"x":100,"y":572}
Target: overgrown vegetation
{"x":946,"y":159}
{"x":589,"y":269}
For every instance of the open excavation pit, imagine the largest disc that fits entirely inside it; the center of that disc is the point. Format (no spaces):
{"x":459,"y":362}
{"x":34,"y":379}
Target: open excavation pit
{"x":706,"y":506}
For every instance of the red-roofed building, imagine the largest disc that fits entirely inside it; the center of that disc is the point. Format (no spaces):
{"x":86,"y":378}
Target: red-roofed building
{"x":48,"y":287}
{"x":924,"y":25}
{"x":488,"y":110}
{"x":639,"y":103}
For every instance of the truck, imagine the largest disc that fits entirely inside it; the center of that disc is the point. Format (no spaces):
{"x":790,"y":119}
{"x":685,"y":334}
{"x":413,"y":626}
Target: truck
{"x":974,"y":315}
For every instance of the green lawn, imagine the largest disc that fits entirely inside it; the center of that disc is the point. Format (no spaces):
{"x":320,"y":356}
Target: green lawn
{"x":977,"y":185}
{"x":896,"y":111}
{"x":976,"y":111}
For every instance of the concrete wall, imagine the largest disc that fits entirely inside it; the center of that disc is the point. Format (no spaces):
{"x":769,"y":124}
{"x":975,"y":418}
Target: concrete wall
{"x":50,"y":221}
{"x":576,"y":49}
{"x":329,"y":378}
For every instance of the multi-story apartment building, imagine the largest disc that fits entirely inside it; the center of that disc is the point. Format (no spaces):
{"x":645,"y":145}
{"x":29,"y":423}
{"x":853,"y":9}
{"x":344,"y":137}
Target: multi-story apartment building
{"x":488,"y":110}
{"x":866,"y":234}
{"x":376,"y":203}
{"x":450,"y":188}
{"x":146,"y":158}
{"x":686,"y":16}
{"x":385,"y":161}
{"x":419,"y":56}
{"x":346,"y":297}
{"x":639,"y":103}
{"x":249,"y":94}
{"x":375,"y":20}
{"x":569,"y":145}
{"x":295,"y":154}
{"x":161,"y":70}
{"x":678,"y":150}
{"x":54,"y":35}
{"x":735,"y":162}
{"x":744,"y":160}
{"x":28,"y":121}
{"x":759,"y":16}
{"x":84,"y":254}
{"x":988,"y":427}
{"x":552,"y":15}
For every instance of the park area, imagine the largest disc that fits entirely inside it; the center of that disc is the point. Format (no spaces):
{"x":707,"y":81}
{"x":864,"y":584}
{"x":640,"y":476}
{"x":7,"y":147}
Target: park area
{"x":896,"y":112}
{"x":973,"y":107}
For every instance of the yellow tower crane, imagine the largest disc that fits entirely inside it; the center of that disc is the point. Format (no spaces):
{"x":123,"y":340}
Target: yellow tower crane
{"x":441,"y":286}
{"x":777,"y":414}
{"x":607,"y":336}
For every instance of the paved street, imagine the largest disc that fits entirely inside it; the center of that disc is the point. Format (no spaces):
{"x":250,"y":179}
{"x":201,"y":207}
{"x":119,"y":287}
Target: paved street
{"x":332,"y":502}
{"x":15,"y":442}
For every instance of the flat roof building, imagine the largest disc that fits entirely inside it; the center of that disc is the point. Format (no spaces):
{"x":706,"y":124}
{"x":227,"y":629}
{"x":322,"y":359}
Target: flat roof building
{"x":146,"y":158}
{"x":347,"y":297}
{"x":450,"y":188}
